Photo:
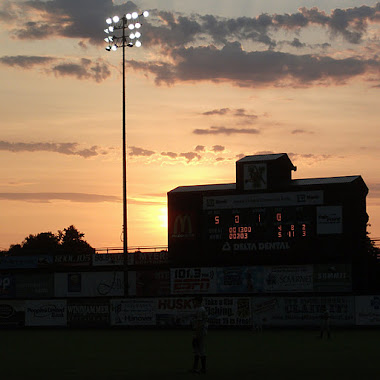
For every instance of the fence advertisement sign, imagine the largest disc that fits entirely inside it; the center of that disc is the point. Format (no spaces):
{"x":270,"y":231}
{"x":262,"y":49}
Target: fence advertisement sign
{"x":133,"y":312}
{"x":12,"y":313}
{"x":88,"y":313}
{"x":34,"y":285}
{"x":332,"y":277}
{"x":108,"y":259}
{"x":148,"y":258}
{"x":73,"y":260}
{"x":25,"y":262}
{"x":46,"y":313}
{"x":149,"y":283}
{"x":89,"y":284}
{"x":302,"y":311}
{"x":240,"y":280}
{"x":192,"y":281}
{"x":367,"y":310}
{"x":7,"y":286}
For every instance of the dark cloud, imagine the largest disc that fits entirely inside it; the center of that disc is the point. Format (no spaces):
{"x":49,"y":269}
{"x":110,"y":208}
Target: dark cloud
{"x":135,"y":151}
{"x":218,"y":148}
{"x":49,"y":197}
{"x":25,"y":61}
{"x":221,"y":111}
{"x":225,"y":131}
{"x":255,"y":69}
{"x":70,"y":149}
{"x":169,"y":154}
{"x":84,"y":69}
{"x":200,"y":148}
{"x":300,"y":131}
{"x":190,"y":156}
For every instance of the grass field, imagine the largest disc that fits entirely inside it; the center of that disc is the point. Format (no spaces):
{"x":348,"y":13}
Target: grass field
{"x":166,"y":354}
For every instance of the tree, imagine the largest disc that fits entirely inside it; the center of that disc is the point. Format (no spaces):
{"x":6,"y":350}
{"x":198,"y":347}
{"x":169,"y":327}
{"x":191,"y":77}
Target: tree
{"x":69,"y":241}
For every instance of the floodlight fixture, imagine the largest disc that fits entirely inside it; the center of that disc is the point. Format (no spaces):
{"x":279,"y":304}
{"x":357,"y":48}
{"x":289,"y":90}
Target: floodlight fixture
{"x":114,"y":47}
{"x":108,"y":48}
{"x":145,"y":13}
{"x":131,"y":26}
{"x":132,"y":36}
{"x":130,"y":44}
{"x":111,"y":29}
{"x":115,"y":19}
{"x":128,"y":16}
{"x":137,"y":25}
{"x":138,"y":44}
{"x":135,"y":15}
{"x":106,"y":30}
{"x":137,"y":34}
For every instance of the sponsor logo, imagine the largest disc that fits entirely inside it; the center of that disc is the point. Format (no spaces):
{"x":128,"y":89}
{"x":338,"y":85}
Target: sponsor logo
{"x":268,"y":246}
{"x":183,"y":227}
{"x":46,"y":311}
{"x":6,"y":311}
{"x":375,"y":303}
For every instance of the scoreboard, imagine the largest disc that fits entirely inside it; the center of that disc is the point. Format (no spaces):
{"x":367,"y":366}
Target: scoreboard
{"x":274,"y":220}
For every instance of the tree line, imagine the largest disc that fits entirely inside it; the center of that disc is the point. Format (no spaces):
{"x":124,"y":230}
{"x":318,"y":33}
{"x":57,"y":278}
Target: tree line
{"x":68,"y":241}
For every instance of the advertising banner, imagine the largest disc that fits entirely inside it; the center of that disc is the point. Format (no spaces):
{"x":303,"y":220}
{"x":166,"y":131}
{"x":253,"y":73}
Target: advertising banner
{"x":12,"y":313}
{"x":73,"y":260}
{"x":240,"y":280}
{"x":25,"y":262}
{"x":367,"y":310}
{"x":302,"y":311}
{"x":228,"y":311}
{"x":149,"y":283}
{"x":293,"y":278}
{"x":88,"y":313}
{"x":89,"y":284}
{"x":112,"y":259}
{"x":7,"y":286}
{"x":148,"y":258}
{"x":332,"y":277}
{"x":329,"y":220}
{"x":192,"y":281}
{"x":222,"y":311}
{"x":29,"y":286}
{"x":132,"y":312}
{"x":46,"y":313}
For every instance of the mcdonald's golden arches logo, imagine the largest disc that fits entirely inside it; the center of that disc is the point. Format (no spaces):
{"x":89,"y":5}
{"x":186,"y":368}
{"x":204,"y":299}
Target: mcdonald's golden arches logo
{"x":183,"y":227}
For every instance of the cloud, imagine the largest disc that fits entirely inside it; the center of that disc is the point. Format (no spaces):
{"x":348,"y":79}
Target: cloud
{"x":221,"y":111}
{"x":218,"y":148}
{"x":225,"y":131}
{"x":49,"y":197}
{"x":70,"y":149}
{"x":190,"y":156}
{"x":84,"y":69}
{"x":300,"y":131}
{"x":25,"y":61}
{"x":255,"y":69}
{"x":200,"y":148}
{"x":238,"y":113}
{"x":135,"y":151}
{"x":169,"y":154}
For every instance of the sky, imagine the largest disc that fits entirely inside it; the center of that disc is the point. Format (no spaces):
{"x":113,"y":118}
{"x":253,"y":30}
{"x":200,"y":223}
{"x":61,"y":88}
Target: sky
{"x":213,"y":81}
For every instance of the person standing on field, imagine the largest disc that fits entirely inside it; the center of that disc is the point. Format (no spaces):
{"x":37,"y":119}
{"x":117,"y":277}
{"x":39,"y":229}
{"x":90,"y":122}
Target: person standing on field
{"x":325,"y":326}
{"x":200,"y":326}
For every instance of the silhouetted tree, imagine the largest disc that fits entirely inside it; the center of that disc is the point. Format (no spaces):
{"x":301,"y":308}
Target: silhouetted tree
{"x":69,"y":241}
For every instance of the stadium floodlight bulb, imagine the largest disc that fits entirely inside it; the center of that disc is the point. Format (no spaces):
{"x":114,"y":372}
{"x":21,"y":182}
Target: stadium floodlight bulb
{"x":115,"y":19}
{"x":131,"y":26}
{"x":137,"y":34}
{"x":114,"y":47}
{"x":145,"y":13}
{"x":106,"y":39}
{"x":135,"y":15}
{"x":110,"y":29}
{"x":138,"y":44}
{"x":128,"y":16}
{"x":108,"y":48}
{"x":137,"y":25}
{"x":132,"y":36}
{"x":109,"y":20}
{"x":106,"y":30}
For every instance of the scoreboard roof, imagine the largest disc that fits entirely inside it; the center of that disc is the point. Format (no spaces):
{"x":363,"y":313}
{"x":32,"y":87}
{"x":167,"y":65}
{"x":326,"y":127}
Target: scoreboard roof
{"x":295,"y":183}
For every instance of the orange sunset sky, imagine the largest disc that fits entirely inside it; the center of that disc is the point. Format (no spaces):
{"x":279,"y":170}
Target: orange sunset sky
{"x":213,"y":81}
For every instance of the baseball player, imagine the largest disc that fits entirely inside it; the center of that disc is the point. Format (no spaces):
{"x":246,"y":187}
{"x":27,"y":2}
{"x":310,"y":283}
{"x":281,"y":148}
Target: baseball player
{"x":200,"y":326}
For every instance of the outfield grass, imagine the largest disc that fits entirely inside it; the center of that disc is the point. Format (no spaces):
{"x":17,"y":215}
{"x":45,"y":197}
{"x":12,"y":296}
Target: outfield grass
{"x":166,"y":354}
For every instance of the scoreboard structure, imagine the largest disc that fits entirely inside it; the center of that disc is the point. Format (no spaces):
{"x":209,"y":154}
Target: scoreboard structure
{"x":266,"y":217}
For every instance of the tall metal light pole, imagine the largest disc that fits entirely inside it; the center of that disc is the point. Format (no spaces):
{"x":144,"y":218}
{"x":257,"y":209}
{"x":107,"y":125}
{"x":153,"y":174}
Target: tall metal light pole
{"x":130,"y":22}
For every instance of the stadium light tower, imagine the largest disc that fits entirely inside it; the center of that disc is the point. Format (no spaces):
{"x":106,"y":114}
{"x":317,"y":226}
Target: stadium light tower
{"x":129,"y":25}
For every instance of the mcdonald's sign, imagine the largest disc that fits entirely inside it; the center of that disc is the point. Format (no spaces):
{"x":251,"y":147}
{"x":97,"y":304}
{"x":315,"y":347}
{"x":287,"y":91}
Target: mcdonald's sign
{"x":183,"y":227}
